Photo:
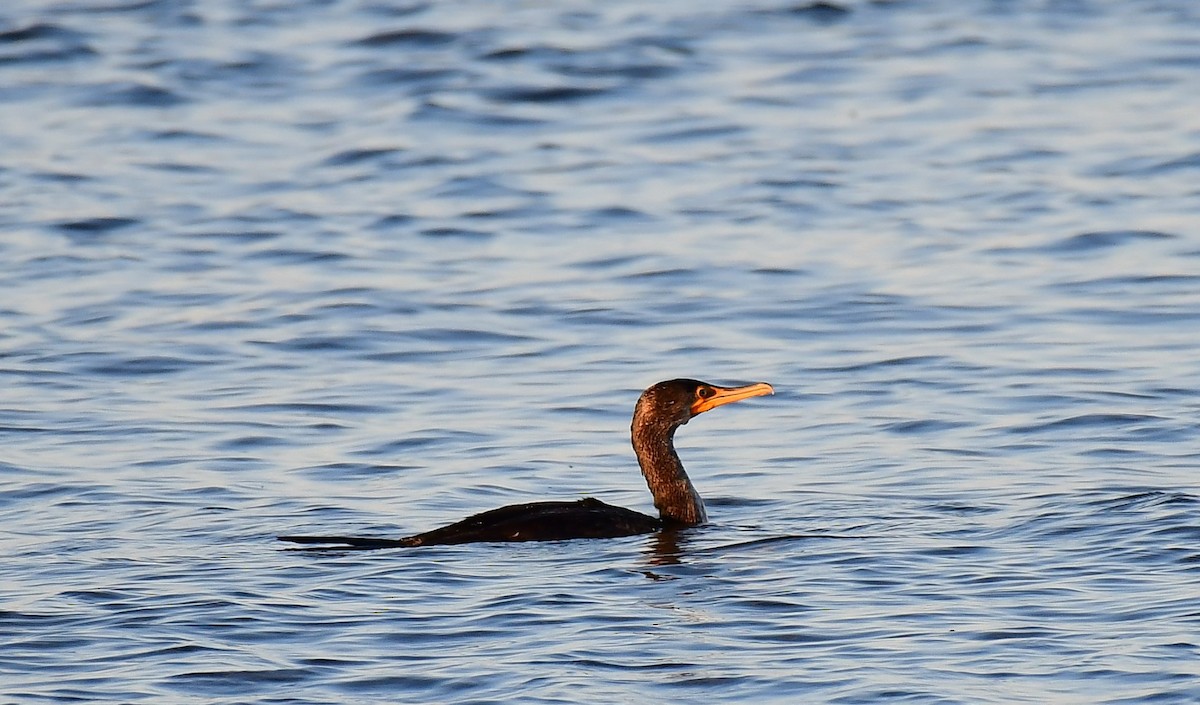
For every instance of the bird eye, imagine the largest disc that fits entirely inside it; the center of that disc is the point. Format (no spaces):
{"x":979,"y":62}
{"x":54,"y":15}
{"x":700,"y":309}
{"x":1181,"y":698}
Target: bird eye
{"x":704,"y":392}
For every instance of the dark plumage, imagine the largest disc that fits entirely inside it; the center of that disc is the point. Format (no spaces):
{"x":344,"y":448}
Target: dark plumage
{"x":660,"y":410}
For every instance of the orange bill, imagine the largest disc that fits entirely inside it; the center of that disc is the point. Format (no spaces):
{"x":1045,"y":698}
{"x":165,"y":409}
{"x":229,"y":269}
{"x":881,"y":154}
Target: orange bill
{"x":710,"y":397}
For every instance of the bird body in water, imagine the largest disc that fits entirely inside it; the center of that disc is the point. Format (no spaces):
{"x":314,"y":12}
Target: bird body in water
{"x":660,"y":410}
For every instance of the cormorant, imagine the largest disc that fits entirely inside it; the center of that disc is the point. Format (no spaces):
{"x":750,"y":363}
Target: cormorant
{"x":660,"y":410}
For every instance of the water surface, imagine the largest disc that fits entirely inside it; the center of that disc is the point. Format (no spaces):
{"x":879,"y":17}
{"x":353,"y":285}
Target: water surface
{"x":369,"y":267}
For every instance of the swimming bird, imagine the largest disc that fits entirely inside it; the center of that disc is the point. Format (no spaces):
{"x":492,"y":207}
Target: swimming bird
{"x":660,"y":410}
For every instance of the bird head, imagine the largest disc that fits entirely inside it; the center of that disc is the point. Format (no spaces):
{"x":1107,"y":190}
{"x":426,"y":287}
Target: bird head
{"x":676,"y":401}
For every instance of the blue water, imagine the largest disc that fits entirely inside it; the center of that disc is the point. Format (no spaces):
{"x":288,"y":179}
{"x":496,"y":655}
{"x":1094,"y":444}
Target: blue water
{"x":311,"y":267}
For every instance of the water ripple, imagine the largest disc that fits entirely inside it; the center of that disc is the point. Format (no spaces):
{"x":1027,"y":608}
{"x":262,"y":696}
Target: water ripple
{"x":368,"y":268}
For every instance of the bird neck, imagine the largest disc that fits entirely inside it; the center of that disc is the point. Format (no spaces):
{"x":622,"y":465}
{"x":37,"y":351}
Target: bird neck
{"x":675,"y":497}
